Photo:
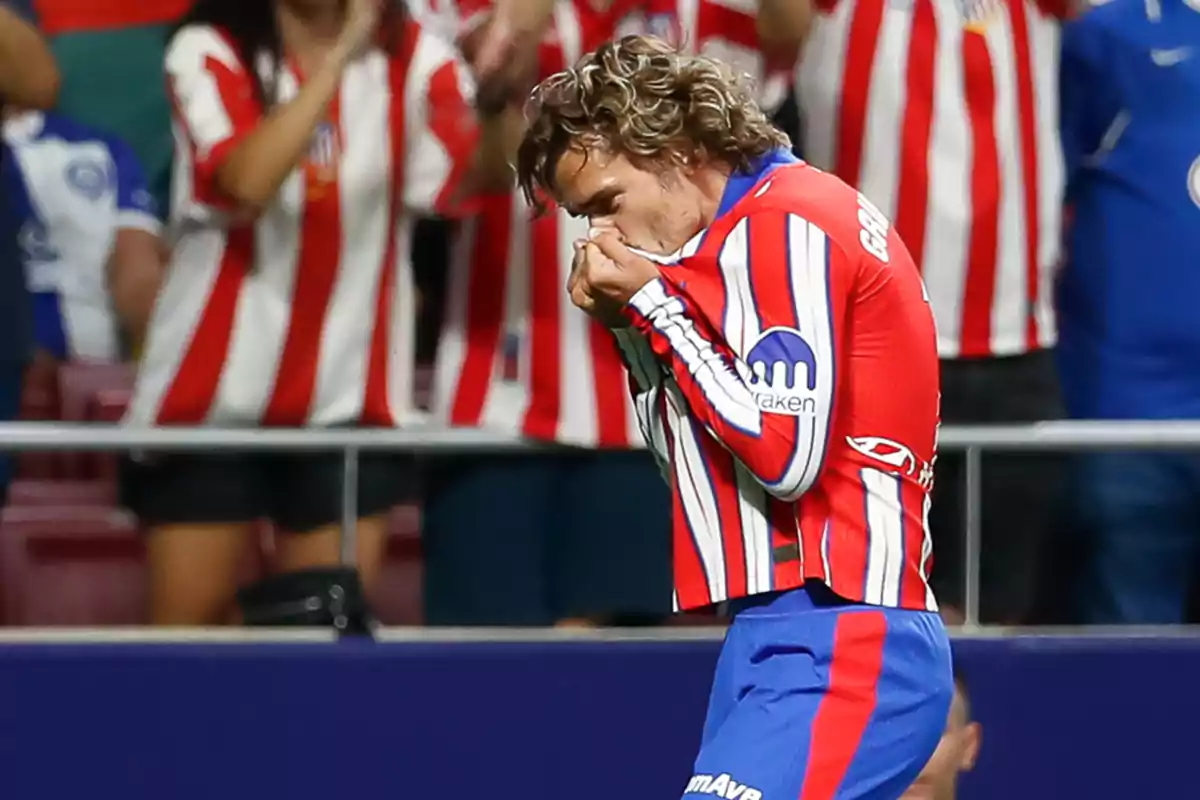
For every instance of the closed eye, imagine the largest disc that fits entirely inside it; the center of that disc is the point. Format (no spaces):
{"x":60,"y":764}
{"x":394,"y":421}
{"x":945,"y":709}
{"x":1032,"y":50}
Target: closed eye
{"x":603,"y":204}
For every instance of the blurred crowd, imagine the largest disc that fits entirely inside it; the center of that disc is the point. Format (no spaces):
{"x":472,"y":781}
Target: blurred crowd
{"x":338,"y":242}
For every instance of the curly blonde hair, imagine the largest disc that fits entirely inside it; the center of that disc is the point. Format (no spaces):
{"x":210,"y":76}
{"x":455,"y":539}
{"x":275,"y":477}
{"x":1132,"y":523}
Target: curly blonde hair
{"x":641,"y":98}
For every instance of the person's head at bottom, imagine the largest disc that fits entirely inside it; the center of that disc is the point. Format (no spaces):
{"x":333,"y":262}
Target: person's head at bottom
{"x":642,"y":139}
{"x":956,"y":751}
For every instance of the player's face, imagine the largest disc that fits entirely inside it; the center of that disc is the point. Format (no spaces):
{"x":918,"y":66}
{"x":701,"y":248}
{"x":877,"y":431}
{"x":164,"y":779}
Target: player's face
{"x":955,"y":754}
{"x":655,"y":211}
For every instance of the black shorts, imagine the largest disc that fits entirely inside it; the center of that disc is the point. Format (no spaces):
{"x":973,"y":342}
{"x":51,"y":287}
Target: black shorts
{"x":299,"y":492}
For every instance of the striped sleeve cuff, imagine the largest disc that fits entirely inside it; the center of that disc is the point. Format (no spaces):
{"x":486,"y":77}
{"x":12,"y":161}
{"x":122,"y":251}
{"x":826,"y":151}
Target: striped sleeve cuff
{"x":650,"y":298}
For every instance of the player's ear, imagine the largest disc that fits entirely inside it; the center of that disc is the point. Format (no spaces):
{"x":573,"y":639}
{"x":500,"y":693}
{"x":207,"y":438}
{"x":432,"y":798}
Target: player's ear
{"x":687,"y":162}
{"x":972,"y":741}
{"x":680,"y":161}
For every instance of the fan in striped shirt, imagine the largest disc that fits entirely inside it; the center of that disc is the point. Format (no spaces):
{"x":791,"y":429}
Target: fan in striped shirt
{"x":944,"y":114}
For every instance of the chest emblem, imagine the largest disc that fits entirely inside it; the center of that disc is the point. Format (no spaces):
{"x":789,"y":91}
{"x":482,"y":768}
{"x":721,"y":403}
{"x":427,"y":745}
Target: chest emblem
{"x":321,"y":165}
{"x":977,"y":15}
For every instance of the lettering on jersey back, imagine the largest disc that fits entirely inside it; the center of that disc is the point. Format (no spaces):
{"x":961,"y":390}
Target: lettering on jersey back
{"x":782,"y":373}
{"x":874,"y":227}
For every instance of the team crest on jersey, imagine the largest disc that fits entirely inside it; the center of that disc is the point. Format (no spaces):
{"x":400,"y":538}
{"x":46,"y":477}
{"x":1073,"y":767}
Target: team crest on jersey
{"x":665,"y":27}
{"x":87,"y":177}
{"x":978,"y":14}
{"x":323,"y":156}
{"x":781,"y":371}
{"x":975,"y":14}
{"x":510,"y":357}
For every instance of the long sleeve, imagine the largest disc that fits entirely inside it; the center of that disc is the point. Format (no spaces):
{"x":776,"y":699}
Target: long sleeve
{"x":214,"y":103}
{"x":1091,"y":115}
{"x":135,"y":205}
{"x":442,"y":132}
{"x":760,"y":374}
{"x":646,"y":388}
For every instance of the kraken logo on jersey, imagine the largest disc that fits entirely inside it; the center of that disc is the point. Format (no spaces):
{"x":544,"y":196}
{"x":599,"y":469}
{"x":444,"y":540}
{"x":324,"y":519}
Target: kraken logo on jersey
{"x":781,"y":371}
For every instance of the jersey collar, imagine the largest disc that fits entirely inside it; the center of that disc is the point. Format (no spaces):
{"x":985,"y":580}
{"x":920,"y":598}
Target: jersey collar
{"x":24,"y":127}
{"x":739,"y":185}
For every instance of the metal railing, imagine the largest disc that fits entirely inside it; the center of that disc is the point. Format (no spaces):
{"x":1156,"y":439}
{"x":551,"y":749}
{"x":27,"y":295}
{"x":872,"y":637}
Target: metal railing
{"x":969,"y":440}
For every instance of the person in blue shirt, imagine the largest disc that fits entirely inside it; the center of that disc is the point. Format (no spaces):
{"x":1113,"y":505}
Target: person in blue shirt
{"x":1130,"y":324}
{"x":89,"y":235}
{"x":28,"y":78}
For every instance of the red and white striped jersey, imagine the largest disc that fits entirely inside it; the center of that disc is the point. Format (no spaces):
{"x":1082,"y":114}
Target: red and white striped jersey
{"x":514,"y":354}
{"x":945,"y":114}
{"x":724,"y":30}
{"x":785,"y":372}
{"x":304,"y":315}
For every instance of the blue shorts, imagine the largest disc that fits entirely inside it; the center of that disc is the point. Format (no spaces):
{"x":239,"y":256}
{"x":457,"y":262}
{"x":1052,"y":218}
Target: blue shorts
{"x":816,"y":699}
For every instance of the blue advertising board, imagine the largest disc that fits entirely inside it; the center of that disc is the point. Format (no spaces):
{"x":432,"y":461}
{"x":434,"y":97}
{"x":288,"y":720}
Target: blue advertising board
{"x":584,"y":720}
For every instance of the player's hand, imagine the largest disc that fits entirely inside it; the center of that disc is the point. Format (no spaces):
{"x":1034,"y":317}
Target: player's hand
{"x":362,"y":20}
{"x":605,"y":275}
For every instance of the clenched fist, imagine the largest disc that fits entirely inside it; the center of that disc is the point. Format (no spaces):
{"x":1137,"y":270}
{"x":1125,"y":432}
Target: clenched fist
{"x":605,"y":275}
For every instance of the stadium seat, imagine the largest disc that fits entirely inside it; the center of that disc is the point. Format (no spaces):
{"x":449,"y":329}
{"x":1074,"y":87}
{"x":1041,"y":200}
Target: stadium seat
{"x":108,"y":405}
{"x":89,"y":390}
{"x":39,"y":403}
{"x":70,"y":565}
{"x":398,"y":597}
{"x":32,"y":492}
{"x":79,"y":383}
{"x":39,"y":394}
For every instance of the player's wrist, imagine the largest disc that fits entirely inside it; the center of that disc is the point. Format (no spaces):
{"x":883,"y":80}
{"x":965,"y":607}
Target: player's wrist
{"x":652,"y":296}
{"x":644,"y":303}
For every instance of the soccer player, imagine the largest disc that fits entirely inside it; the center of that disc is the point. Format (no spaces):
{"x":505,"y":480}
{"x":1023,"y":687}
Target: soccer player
{"x":784,"y":364}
